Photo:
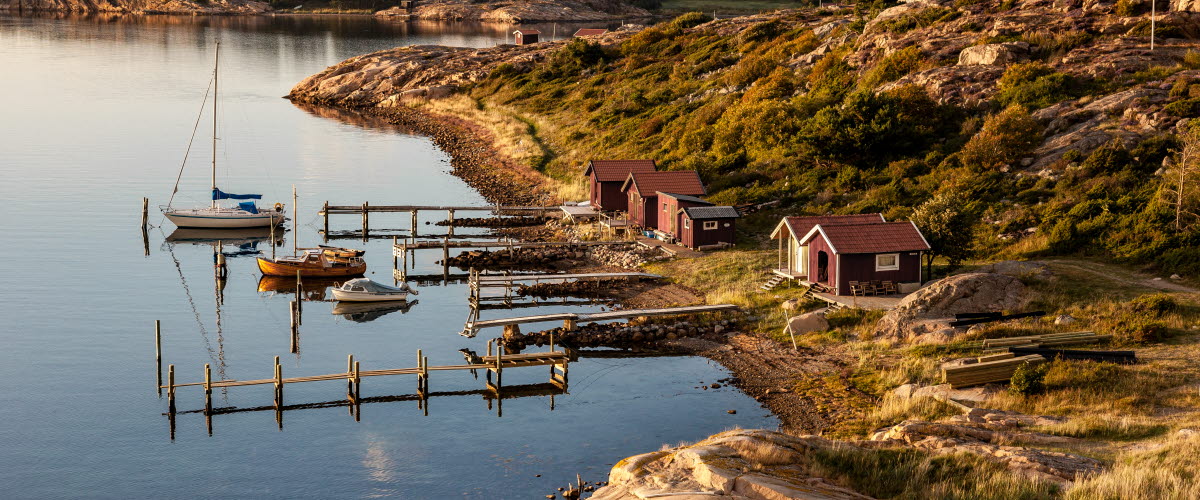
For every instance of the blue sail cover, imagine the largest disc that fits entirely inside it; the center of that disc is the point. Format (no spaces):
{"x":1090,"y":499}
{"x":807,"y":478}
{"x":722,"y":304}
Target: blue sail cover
{"x":248,"y":206}
{"x":221,"y":195}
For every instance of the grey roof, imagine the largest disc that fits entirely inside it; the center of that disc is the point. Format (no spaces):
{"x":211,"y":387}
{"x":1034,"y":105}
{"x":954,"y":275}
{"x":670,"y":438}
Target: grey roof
{"x":684,"y":197}
{"x":722,"y":212}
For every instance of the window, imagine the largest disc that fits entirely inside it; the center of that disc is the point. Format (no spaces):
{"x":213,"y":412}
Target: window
{"x":710,"y":224}
{"x":687,"y":223}
{"x":887,"y":262}
{"x":664,"y":207}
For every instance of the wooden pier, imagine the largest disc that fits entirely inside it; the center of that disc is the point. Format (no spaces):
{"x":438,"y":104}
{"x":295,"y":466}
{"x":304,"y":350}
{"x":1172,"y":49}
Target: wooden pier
{"x":495,"y":362}
{"x":402,"y":248}
{"x":571,"y":320}
{"x":477,"y":282}
{"x":366,"y":209}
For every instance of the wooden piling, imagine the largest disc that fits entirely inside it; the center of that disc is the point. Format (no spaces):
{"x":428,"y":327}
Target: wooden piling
{"x":171,"y":389}
{"x":207,"y":389}
{"x":350,"y":377}
{"x":272,"y":240}
{"x":299,"y":300}
{"x":413,"y":231}
{"x":394,"y":257}
{"x":278,"y":384}
{"x":158,"y":352}
{"x":325,"y":212}
{"x":145,"y":212}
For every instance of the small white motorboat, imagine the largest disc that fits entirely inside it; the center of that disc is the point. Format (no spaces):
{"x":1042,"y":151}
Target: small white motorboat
{"x":365,"y":290}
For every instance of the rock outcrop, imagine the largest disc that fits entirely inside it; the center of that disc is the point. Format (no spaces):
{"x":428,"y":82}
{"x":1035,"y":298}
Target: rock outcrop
{"x":139,"y":6}
{"x":924,"y":314}
{"x":736,"y":464}
{"x":523,"y":11}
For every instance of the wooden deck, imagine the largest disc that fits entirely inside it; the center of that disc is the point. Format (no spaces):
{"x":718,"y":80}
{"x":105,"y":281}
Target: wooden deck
{"x":871,"y":303}
{"x":571,"y":319}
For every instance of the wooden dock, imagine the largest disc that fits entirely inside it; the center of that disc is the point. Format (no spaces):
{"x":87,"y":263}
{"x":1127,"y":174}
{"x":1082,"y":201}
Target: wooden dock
{"x":401,"y":246}
{"x":571,"y":320}
{"x":366,"y":209}
{"x":495,"y":362}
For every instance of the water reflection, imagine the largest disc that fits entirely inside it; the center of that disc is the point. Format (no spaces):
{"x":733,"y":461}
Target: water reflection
{"x":362,"y":312}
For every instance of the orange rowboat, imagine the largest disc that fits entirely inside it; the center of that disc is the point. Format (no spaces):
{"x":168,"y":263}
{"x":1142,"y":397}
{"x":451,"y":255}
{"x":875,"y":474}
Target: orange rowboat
{"x":313,"y":263}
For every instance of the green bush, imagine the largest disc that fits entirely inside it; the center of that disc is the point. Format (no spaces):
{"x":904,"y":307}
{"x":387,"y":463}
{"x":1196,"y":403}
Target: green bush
{"x":1154,"y":303}
{"x":920,"y":19}
{"x":1028,"y":380}
{"x":893,"y":67}
{"x":1140,"y":331}
{"x":1125,"y":8}
{"x":1184,"y":108}
{"x":1005,"y":136}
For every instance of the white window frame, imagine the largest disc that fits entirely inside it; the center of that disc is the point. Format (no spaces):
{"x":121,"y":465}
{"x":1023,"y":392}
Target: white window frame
{"x":710,"y":225}
{"x":687,"y":223}
{"x":893,"y":267}
{"x":664,"y":207}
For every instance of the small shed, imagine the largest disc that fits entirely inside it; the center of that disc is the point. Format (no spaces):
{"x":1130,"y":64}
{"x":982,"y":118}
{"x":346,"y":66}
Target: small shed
{"x":590,"y":32}
{"x":526,"y":36}
{"x":841,"y":253}
{"x":707,"y":226}
{"x":641,"y":191}
{"x":605,"y":178}
{"x":670,"y":219}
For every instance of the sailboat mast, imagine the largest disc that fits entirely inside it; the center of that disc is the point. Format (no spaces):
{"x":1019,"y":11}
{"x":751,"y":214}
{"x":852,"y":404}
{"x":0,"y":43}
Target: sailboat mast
{"x":216,"y":65}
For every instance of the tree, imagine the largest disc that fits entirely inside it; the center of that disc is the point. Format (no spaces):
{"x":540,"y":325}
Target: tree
{"x":1005,"y":136}
{"x":1182,"y":180}
{"x":946,"y":220}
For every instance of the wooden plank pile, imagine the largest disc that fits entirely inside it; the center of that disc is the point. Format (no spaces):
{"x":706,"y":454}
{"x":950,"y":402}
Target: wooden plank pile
{"x":1119,"y":357}
{"x":987,"y":369}
{"x":1038,"y":341}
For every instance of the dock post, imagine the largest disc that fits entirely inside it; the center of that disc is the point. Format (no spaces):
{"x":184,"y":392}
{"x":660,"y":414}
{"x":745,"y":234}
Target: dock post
{"x":299,"y":300}
{"x":365,"y":224}
{"x":325,"y":212}
{"x":425,"y":393}
{"x":404,"y":260}
{"x":272,"y":240}
{"x":446,"y":259}
{"x":207,"y":389}
{"x":414,"y":224}
{"x":357,"y":395}
{"x":171,"y":389}
{"x":145,"y":212}
{"x":450,"y":220}
{"x":158,"y":353}
{"x":395,"y":259}
{"x":278,"y":385}
{"x":420,"y":376}
{"x":350,"y":378}
{"x":569,"y":325}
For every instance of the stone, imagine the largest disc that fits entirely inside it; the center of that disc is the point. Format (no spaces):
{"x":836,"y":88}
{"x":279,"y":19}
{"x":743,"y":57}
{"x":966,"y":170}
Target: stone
{"x":924,"y":314}
{"x":1064,"y":319}
{"x":994,"y":54}
{"x":790,"y":304}
{"x":808,"y":322}
{"x":1176,"y":277}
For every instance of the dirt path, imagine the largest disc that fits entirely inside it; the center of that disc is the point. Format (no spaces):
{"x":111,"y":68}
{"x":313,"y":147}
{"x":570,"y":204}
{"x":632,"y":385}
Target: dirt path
{"x":1122,"y":276}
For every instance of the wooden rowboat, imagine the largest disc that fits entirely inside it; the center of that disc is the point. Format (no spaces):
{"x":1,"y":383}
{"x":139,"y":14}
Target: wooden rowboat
{"x":313,"y":263}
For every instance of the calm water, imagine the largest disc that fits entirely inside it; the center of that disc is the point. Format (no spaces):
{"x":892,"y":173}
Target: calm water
{"x":94,"y":114}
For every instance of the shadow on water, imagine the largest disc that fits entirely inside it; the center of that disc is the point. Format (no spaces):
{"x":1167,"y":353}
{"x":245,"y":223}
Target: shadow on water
{"x":362,"y":312}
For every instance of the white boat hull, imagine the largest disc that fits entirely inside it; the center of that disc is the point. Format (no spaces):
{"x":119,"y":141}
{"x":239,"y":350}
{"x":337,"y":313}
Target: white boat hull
{"x":265,"y":219}
{"x":348,"y":296}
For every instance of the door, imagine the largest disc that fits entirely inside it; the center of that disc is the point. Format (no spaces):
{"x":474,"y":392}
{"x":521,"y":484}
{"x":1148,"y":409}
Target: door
{"x":822,"y":266}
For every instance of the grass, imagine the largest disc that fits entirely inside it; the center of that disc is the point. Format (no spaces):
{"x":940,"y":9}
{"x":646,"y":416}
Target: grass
{"x":1169,"y":471}
{"x":910,"y":473}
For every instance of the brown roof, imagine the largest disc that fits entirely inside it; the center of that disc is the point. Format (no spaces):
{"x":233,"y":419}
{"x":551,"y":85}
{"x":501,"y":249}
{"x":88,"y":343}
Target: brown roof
{"x":871,"y":238}
{"x":618,"y":170}
{"x":528,"y":32}
{"x":684,"y":197}
{"x":591,"y":32}
{"x":802,"y":225}
{"x":685,"y":182}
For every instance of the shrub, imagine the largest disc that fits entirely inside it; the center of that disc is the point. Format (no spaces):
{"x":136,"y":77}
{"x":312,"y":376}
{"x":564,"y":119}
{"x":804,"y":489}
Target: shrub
{"x":1154,"y":303}
{"x":920,"y":19}
{"x":762,"y":31}
{"x":1125,"y":8}
{"x":1005,"y":136}
{"x":1184,"y":108}
{"x":894,"y":66}
{"x":1140,"y":331}
{"x":1029,"y":379}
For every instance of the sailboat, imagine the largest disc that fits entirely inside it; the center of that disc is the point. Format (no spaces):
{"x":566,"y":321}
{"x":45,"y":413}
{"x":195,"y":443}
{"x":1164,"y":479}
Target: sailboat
{"x":245,"y":214}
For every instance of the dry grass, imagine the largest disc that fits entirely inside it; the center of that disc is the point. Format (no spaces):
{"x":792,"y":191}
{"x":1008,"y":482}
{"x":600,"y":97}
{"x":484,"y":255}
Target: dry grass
{"x":512,"y":135}
{"x":1168,"y":472}
{"x":1107,"y":428}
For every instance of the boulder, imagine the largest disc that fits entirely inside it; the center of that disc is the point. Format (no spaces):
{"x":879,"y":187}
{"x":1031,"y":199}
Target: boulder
{"x":790,"y":304}
{"x":993,"y":54}
{"x":1064,"y":319}
{"x":924,"y":315}
{"x":809,"y":322}
{"x":1018,"y":268}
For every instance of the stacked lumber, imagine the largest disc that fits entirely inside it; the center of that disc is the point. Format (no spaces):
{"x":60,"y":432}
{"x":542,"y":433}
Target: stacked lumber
{"x":987,"y":369}
{"x":1119,"y":357}
{"x":1038,"y":341}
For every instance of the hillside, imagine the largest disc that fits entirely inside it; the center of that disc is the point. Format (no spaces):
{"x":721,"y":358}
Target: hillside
{"x":1046,"y":125}
{"x":139,"y":6}
{"x":524,"y":11}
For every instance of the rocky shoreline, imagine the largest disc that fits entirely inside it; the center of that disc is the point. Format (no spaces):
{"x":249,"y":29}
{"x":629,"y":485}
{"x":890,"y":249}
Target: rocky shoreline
{"x":529,"y":11}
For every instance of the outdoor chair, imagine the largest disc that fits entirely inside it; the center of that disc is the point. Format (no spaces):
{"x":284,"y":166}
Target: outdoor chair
{"x":870,"y":288}
{"x":889,"y":288}
{"x":856,"y":289}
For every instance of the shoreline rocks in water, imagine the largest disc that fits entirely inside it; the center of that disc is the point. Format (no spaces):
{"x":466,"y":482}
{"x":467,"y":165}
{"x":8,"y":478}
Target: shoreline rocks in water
{"x":519,"y":221}
{"x":194,"y":7}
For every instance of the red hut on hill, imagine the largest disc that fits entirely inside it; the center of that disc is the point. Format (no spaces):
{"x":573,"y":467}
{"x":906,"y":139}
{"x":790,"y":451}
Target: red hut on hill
{"x":706,"y":226}
{"x":844,"y":256}
{"x":590,"y":32}
{"x":526,"y":36}
{"x":641,"y":190}
{"x":606,"y":177}
{"x":670,"y":219}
